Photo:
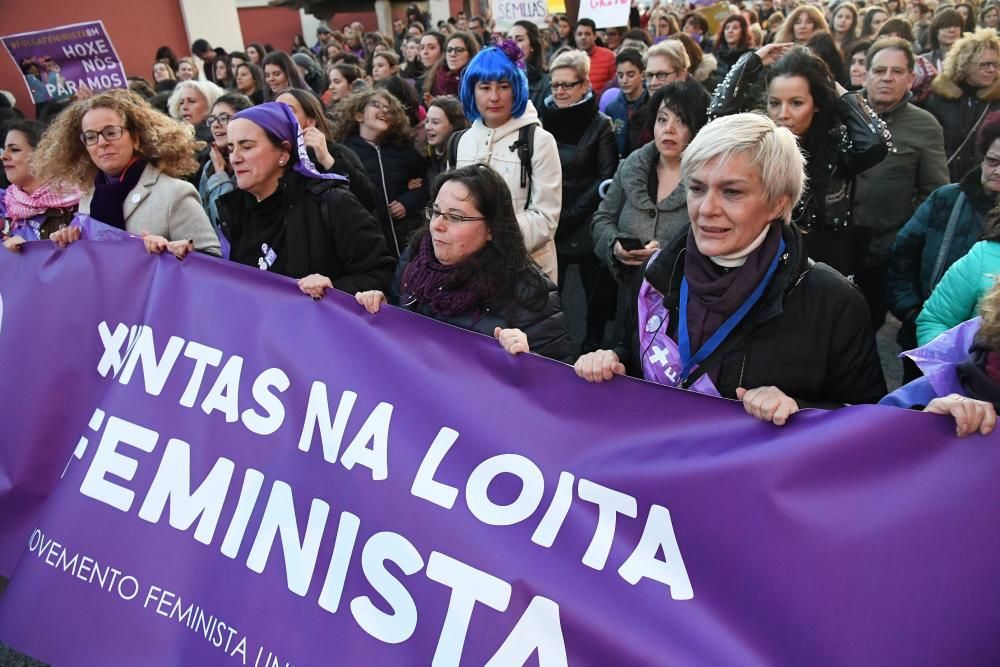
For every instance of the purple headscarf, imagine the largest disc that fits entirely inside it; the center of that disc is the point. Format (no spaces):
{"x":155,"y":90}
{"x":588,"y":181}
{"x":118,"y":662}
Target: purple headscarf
{"x":277,"y":119}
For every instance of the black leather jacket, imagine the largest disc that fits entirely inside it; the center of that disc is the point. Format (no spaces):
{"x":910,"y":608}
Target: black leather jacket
{"x":860,"y":141}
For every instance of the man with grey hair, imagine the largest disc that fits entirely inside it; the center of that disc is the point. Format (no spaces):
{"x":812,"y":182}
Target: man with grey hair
{"x":886,"y":195}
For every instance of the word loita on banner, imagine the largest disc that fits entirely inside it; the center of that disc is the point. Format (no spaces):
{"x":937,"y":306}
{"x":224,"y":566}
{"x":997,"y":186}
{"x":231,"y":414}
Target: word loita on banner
{"x":201,"y":466}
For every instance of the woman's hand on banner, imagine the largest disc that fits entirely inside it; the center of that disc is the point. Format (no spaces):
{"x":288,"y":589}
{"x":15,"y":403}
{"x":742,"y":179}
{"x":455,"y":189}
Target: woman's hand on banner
{"x":14,"y":243}
{"x":64,"y":236}
{"x":599,"y":366}
{"x":970,"y":415}
{"x":514,"y":341}
{"x":372,"y":300}
{"x":768,"y":404}
{"x":315,"y":285}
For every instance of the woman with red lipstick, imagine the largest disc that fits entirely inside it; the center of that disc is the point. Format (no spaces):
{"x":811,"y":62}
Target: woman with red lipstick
{"x":468,"y":267}
{"x":735,"y":308}
{"x":128,"y":159}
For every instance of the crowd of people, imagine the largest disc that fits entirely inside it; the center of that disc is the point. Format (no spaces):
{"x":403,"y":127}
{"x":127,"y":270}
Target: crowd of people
{"x":745,"y":203}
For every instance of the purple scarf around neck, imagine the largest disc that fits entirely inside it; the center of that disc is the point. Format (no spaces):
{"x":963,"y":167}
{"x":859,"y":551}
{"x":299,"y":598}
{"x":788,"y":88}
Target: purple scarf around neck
{"x":108,"y":202}
{"x":716,"y":293}
{"x":436,"y":285}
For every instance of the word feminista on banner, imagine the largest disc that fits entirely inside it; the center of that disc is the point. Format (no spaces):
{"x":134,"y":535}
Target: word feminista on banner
{"x":214,"y":380}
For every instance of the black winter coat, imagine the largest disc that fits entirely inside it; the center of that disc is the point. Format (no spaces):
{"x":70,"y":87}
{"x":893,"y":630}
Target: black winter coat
{"x":961,"y":110}
{"x":346,"y":163}
{"x":390,"y":167}
{"x":588,"y":153}
{"x":858,"y":142}
{"x":328,"y":232}
{"x":810,"y":334}
{"x":546,"y":329}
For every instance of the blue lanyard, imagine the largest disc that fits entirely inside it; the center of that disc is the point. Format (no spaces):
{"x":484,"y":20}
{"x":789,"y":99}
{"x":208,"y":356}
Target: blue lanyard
{"x":689,"y":363}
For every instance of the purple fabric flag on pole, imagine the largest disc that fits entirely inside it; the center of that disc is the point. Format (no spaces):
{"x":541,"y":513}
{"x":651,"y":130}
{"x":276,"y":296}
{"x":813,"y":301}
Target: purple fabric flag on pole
{"x":57,"y":62}
{"x":201,"y":466}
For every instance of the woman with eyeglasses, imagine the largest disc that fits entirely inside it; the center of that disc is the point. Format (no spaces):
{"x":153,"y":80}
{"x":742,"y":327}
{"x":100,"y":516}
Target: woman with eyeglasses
{"x":373,"y":124}
{"x":588,"y":154}
{"x":128,"y":159}
{"x":445,"y":76}
{"x":963,"y":94}
{"x":468,"y":267}
{"x":217,"y":177}
{"x":288,"y":218}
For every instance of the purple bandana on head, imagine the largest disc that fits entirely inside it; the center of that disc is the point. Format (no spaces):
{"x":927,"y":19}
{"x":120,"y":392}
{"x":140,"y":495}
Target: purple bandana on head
{"x":278,"y":119}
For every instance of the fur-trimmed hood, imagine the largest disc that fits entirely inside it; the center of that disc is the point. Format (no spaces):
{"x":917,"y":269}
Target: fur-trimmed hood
{"x":706,"y":68}
{"x":948,"y":89}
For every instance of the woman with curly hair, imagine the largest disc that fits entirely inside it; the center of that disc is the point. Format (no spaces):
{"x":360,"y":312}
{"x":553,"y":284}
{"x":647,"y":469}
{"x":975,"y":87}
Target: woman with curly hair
{"x":963,"y":94}
{"x":128,"y":159}
{"x":468,"y":267}
{"x":802,"y":23}
{"x":373,"y":124}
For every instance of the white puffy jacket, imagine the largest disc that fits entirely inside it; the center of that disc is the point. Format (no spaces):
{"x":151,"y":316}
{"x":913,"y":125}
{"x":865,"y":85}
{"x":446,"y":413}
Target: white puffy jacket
{"x":538,"y":222}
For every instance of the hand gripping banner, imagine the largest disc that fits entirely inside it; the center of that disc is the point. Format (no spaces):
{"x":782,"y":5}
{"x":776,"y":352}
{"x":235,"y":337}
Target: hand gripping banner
{"x":201,"y":466}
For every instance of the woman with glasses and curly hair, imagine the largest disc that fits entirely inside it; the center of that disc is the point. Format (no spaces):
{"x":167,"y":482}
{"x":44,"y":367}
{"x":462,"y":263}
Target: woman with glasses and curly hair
{"x":963,"y":94}
{"x":128,"y":159}
{"x":373,"y":124}
{"x":468,"y":267}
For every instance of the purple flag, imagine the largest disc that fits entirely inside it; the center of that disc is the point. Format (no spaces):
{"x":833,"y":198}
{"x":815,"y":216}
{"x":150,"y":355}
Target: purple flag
{"x":201,"y":466}
{"x":59,"y":61}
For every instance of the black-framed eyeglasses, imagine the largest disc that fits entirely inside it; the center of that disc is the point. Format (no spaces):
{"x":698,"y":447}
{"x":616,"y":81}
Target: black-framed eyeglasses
{"x":567,"y":86}
{"x":222,"y":119}
{"x":432,"y":214}
{"x":660,"y":77}
{"x":109,"y":132}
{"x":452,"y":50}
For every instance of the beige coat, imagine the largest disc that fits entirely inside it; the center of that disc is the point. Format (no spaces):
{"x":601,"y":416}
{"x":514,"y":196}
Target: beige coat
{"x":539,"y":220}
{"x":166,"y":206}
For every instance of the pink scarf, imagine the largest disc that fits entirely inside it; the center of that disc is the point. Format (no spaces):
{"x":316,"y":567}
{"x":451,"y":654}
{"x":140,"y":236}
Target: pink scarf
{"x":21,"y":206}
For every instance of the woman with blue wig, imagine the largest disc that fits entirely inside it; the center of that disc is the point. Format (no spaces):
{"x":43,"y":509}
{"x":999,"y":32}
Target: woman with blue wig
{"x":288,"y":218}
{"x":507,"y":135}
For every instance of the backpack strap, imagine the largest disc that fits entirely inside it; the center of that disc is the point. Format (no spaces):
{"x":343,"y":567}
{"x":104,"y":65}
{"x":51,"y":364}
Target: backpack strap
{"x":525,"y":146}
{"x":453,"y":148}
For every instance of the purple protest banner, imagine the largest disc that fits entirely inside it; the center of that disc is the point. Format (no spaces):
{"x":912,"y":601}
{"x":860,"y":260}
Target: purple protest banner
{"x":59,"y":61}
{"x":201,"y":466}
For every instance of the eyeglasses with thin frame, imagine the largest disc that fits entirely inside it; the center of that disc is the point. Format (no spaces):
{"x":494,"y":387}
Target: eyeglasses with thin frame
{"x":109,"y":132}
{"x":987,"y":66}
{"x":660,"y":77}
{"x":432,"y":214}
{"x":567,"y":86}
{"x":452,"y":50}
{"x":222,"y":119}
{"x":381,"y":106}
